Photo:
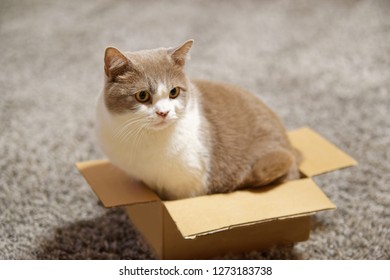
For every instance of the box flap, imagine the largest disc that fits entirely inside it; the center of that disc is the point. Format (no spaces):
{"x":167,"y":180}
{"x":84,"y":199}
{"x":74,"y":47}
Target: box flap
{"x":207,"y":214}
{"x":319,"y":155}
{"x":113,"y":186}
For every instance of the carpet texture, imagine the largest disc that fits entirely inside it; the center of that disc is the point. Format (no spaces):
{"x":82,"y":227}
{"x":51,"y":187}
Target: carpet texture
{"x":325,"y":64}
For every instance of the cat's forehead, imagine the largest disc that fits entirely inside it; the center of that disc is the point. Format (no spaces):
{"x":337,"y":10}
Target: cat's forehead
{"x":149,"y":60}
{"x":154,"y":66}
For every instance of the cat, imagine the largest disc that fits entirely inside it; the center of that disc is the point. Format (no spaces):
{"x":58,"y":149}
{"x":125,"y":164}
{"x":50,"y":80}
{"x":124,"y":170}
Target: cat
{"x":186,"y":138}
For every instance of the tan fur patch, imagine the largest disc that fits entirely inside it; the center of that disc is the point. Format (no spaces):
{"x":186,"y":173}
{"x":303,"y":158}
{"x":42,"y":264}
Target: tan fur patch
{"x":249,"y":143}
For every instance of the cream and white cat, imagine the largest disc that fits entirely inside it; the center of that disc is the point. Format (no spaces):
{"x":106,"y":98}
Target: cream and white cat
{"x":186,"y":138}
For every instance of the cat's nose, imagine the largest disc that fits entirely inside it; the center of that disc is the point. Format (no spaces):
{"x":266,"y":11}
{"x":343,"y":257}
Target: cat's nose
{"x":162,"y":114}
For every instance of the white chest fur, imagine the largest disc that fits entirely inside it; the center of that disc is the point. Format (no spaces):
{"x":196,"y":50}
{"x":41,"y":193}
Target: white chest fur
{"x":174,"y":161}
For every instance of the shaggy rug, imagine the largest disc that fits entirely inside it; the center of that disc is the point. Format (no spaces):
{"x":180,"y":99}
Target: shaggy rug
{"x":325,"y":64}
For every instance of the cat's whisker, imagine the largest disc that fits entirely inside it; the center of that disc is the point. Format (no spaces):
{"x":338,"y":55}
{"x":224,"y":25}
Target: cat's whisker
{"x":123,"y":132}
{"x":128,"y":126}
{"x":125,"y":124}
{"x":131,"y":130}
{"x":127,"y":133}
{"x":136,"y":139}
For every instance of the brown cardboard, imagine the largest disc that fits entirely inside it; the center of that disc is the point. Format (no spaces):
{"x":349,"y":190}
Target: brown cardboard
{"x":205,"y":214}
{"x":168,"y":243}
{"x":206,"y":226}
{"x":112,"y":186}
{"x":319,"y":155}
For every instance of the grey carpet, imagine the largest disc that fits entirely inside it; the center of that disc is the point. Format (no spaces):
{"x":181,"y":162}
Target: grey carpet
{"x":325,"y":64}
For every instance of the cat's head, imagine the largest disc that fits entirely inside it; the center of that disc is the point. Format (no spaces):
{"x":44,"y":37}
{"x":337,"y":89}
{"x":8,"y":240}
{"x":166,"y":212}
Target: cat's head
{"x":148,"y":87}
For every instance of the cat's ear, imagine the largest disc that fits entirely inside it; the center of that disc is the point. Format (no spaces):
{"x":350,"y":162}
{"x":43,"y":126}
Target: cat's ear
{"x":179,"y":54}
{"x":115,"y":63}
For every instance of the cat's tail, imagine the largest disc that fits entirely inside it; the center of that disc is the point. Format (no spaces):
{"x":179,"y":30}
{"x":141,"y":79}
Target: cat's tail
{"x":294,"y":172}
{"x":297,"y":155}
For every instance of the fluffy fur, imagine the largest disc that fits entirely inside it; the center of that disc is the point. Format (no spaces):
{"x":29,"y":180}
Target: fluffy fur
{"x":210,"y":138}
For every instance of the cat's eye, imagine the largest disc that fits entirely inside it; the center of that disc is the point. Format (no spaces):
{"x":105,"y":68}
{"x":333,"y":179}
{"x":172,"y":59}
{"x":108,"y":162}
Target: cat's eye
{"x":174,"y":92}
{"x":142,"y":96}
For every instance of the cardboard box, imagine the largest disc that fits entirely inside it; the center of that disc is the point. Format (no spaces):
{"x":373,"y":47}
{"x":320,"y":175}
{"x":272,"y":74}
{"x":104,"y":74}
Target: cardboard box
{"x":207,"y":226}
